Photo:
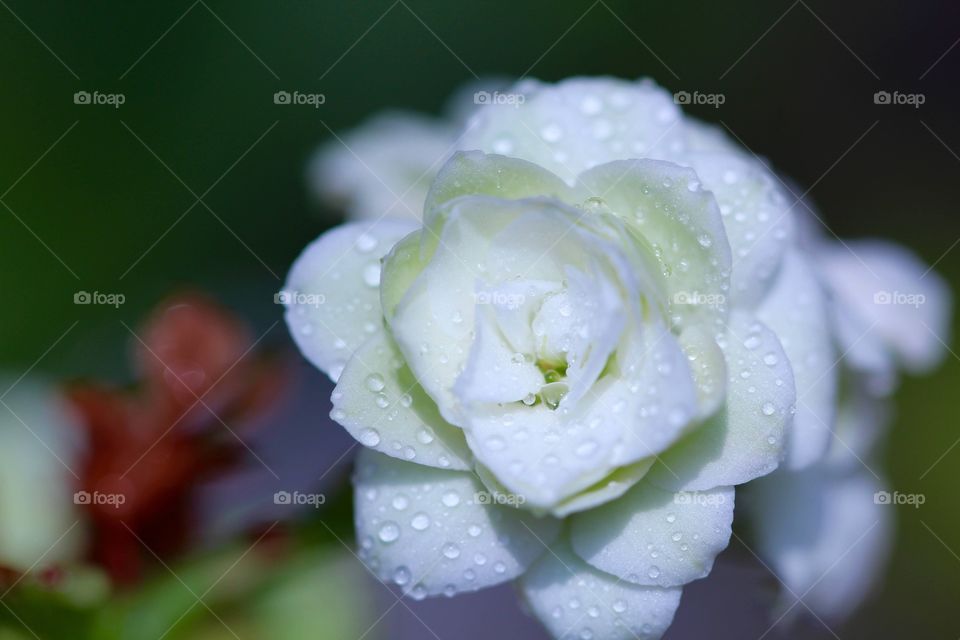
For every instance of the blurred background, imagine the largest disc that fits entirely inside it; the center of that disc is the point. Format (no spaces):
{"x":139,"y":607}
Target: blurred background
{"x":196,"y":186}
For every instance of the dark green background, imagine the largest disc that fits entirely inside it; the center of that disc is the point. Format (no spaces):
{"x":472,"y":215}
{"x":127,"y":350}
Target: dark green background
{"x":201,"y":97}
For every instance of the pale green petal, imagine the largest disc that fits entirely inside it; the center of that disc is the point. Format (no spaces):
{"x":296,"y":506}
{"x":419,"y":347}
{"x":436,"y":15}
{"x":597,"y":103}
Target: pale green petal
{"x":477,"y":173}
{"x":609,"y":488}
{"x":679,"y":224}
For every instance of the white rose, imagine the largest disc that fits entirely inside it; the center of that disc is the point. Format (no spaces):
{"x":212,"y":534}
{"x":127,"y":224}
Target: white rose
{"x":596,"y":332}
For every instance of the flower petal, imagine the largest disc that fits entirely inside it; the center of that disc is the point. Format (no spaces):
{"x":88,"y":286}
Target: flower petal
{"x":549,"y":456}
{"x":332,"y":294}
{"x":610,"y":488}
{"x":575,"y":601}
{"x":478,"y":173}
{"x":380,"y":404}
{"x":655,"y":537}
{"x":435,"y":318}
{"x":680,"y":224}
{"x":383,"y":167}
{"x":747,"y":439}
{"x":708,"y":366}
{"x":576,"y":124}
{"x":435,"y":532}
{"x":796,"y":311}
{"x":824,"y":534}
{"x":756,"y":216}
{"x":892,"y":293}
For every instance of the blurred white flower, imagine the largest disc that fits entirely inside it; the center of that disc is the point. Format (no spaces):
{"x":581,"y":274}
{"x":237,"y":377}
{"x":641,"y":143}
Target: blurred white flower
{"x":383,"y":168}
{"x":607,"y":324}
{"x":39,"y":443}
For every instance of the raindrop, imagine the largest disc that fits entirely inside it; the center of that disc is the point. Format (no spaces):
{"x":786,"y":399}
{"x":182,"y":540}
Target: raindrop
{"x":389,"y":531}
{"x":369,"y":437}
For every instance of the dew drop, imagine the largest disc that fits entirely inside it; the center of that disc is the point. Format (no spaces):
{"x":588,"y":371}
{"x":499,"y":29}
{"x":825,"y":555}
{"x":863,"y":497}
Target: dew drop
{"x":451,"y":499}
{"x":370,"y":437}
{"x":389,"y":531}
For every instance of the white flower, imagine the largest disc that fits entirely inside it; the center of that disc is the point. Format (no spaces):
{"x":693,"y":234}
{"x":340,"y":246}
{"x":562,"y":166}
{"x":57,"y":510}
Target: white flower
{"x":827,"y":530}
{"x":385,"y":168}
{"x":38,"y":445}
{"x":599,"y":328}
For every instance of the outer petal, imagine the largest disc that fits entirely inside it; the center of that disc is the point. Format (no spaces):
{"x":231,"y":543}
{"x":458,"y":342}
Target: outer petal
{"x":863,"y":420}
{"x":679,"y":224}
{"x":384,"y":167}
{"x":747,"y":440}
{"x":655,"y":537}
{"x":579,"y":123}
{"x":893,"y":293}
{"x":796,"y":311}
{"x":576,"y":601}
{"x":756,"y":217}
{"x":380,"y":404}
{"x":432,"y":532}
{"x":824,"y":535}
{"x":332,"y":294}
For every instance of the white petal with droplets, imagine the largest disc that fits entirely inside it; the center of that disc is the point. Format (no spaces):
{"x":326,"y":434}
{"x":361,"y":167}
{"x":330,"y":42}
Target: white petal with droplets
{"x":746,"y":440}
{"x":655,"y":537}
{"x":579,"y":123}
{"x":680,"y":227}
{"x":575,"y":601}
{"x":433,"y":532}
{"x":378,"y":401}
{"x":756,"y":216}
{"x":332,"y":293}
{"x":796,"y":311}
